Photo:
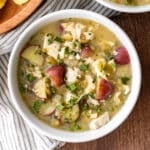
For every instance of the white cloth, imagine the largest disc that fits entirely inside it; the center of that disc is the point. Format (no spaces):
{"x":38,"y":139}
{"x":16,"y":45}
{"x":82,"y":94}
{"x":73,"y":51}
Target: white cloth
{"x":15,"y":134}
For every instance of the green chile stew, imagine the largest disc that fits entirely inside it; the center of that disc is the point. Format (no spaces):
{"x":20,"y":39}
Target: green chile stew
{"x":74,"y":74}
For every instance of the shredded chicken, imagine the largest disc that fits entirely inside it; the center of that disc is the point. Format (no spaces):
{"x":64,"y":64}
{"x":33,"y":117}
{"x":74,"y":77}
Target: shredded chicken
{"x":51,"y":49}
{"x":90,"y":85}
{"x":100,"y":121}
{"x":78,"y":31}
{"x":72,"y":75}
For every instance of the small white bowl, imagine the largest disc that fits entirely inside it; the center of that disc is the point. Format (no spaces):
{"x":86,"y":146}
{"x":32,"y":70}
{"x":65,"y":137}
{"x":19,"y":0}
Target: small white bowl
{"x":67,"y":136}
{"x":125,"y":8}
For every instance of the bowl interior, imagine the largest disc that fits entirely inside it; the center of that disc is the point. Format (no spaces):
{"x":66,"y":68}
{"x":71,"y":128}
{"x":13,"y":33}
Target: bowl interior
{"x":125,"y":8}
{"x":32,"y":120}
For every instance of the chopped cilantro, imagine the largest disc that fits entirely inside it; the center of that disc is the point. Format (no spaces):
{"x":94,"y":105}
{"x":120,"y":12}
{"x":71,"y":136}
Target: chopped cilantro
{"x":74,"y":53}
{"x":84,"y":107}
{"x":94,"y":79}
{"x":60,"y":107}
{"x":97,"y":108}
{"x":72,"y":87}
{"x":53,"y":89}
{"x":60,"y":61}
{"x":50,"y":38}
{"x":84,"y":97}
{"x":108,"y":57}
{"x":84,"y":67}
{"x":58,"y":39}
{"x":80,"y":89}
{"x":36,"y":106}
{"x":50,"y":41}
{"x":74,"y":44}
{"x":29,"y":77}
{"x":75,"y":127}
{"x":22,"y":89}
{"x":38,"y":51}
{"x":73,"y":101}
{"x":125,"y":80}
{"x":66,"y":50}
{"x":127,"y":2}
{"x":92,"y":94}
{"x":105,"y":67}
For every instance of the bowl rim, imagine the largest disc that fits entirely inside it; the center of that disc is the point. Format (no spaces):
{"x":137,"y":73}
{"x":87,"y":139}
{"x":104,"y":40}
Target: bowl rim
{"x":124,"y":8}
{"x":43,"y":128}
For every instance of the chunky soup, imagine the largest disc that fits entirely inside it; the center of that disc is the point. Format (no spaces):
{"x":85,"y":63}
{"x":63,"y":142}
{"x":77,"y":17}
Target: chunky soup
{"x":132,"y":2}
{"x":74,"y":74}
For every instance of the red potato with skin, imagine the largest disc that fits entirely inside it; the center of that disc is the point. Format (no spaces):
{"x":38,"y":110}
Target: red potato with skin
{"x":61,"y":28}
{"x":122,"y":57}
{"x":86,"y":52}
{"x":48,"y":109}
{"x":39,"y":88}
{"x":104,"y":89}
{"x":56,"y":74}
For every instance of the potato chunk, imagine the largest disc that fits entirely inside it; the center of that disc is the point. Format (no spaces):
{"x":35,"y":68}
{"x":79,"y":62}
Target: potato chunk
{"x":70,"y":114}
{"x":20,"y":2}
{"x":30,"y":54}
{"x":47,"y":108}
{"x":2,"y":3}
{"x":39,"y":88}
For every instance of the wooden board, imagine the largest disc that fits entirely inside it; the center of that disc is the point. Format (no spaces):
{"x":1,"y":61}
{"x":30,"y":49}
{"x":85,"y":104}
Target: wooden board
{"x":12,"y":15}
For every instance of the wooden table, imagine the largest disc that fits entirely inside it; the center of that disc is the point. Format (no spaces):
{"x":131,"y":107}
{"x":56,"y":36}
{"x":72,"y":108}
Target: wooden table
{"x":134,"y":133}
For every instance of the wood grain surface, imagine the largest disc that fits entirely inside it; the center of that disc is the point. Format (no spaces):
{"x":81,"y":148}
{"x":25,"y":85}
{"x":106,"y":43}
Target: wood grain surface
{"x":12,"y":15}
{"x":134,"y":133}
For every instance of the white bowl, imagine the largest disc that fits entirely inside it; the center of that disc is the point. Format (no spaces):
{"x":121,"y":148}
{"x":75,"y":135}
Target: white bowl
{"x":125,"y":8}
{"x":32,"y":120}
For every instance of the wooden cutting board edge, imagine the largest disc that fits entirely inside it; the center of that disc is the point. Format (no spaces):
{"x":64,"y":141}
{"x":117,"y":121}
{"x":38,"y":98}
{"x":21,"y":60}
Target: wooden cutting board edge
{"x":11,"y":23}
